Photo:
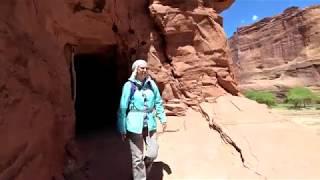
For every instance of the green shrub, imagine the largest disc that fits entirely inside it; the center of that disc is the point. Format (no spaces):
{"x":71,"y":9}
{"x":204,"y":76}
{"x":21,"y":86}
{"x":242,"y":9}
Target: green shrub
{"x":263,"y":97}
{"x":300,"y":96}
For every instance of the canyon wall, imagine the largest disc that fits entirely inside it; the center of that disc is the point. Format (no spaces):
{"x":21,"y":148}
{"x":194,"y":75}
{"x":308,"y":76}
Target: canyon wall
{"x":183,"y":41}
{"x":280,"y":52}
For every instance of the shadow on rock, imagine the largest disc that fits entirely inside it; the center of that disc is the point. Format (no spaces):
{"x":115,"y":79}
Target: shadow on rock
{"x":100,"y":156}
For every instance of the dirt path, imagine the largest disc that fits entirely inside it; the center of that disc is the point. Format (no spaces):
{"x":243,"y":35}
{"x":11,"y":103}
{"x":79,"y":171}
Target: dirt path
{"x":272,"y":147}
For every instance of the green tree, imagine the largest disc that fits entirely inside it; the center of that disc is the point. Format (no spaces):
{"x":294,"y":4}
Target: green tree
{"x":263,"y":97}
{"x":299,"y":96}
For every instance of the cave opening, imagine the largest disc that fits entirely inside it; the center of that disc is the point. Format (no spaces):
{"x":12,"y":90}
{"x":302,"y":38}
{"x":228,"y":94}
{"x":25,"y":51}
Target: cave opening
{"x":96,"y":90}
{"x":98,"y":73}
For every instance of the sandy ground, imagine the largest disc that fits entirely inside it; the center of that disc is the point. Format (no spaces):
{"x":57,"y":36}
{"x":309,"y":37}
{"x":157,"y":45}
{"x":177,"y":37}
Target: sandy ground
{"x":306,"y":118}
{"x":194,"y":151}
{"x":274,"y":144}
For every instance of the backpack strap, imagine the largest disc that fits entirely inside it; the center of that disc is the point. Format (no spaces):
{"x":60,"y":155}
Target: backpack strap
{"x":133,"y":88}
{"x":150,"y":86}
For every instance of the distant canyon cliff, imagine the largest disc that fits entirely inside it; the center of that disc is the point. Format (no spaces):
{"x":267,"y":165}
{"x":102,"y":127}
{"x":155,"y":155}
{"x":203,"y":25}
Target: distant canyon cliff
{"x":280,"y":52}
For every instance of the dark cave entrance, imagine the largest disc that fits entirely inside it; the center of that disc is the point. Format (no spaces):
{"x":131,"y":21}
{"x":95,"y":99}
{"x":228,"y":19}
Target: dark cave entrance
{"x":98,"y":73}
{"x":96,"y":90}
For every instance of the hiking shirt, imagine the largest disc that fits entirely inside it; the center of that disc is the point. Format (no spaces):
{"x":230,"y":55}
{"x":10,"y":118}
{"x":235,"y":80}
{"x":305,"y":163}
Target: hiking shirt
{"x":144,"y":101}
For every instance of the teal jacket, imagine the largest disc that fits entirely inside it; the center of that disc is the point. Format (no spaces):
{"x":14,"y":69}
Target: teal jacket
{"x":138,"y":109}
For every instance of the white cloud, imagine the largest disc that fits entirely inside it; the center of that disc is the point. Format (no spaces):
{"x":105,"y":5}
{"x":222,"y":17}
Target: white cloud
{"x":254,"y":17}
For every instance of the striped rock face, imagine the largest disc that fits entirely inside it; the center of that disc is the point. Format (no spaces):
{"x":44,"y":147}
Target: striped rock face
{"x":54,"y":52}
{"x":279,"y":52}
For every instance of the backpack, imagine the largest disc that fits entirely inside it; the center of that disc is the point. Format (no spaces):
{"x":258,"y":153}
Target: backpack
{"x":133,"y":90}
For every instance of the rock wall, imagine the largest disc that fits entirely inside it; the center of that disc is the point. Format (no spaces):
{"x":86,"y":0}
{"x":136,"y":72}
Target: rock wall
{"x":183,"y":41}
{"x":194,"y":51}
{"x":279,"y":52}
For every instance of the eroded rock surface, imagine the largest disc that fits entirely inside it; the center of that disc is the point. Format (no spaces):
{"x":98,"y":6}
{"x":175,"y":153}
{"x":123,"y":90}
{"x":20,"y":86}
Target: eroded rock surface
{"x":182,"y":40}
{"x":280,"y":52}
{"x":268,"y":144}
{"x":195,"y":50}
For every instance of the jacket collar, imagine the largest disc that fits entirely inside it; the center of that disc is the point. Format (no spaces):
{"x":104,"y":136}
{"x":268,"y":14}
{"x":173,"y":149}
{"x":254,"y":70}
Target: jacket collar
{"x":136,"y":81}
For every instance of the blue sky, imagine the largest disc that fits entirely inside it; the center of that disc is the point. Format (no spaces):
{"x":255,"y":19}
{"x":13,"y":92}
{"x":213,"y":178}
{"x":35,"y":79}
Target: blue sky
{"x":244,"y":12}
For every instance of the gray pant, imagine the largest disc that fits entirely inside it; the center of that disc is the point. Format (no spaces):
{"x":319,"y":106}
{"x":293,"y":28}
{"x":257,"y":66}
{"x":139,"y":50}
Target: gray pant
{"x":137,"y":142}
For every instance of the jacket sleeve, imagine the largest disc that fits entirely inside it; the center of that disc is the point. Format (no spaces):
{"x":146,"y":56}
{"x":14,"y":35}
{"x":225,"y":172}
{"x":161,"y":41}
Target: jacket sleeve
{"x":160,"y":113}
{"x":122,"y":111}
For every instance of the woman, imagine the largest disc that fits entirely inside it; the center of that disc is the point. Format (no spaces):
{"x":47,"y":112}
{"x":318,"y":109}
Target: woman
{"x":136,"y":121}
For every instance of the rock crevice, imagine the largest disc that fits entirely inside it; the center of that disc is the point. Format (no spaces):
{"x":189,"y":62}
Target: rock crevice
{"x":38,"y":39}
{"x":226,"y":138}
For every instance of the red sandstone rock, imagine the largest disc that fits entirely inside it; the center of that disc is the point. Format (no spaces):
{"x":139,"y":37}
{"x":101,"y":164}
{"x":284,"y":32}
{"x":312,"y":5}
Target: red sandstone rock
{"x":279,"y":52}
{"x":183,"y":42}
{"x":195,"y":45}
